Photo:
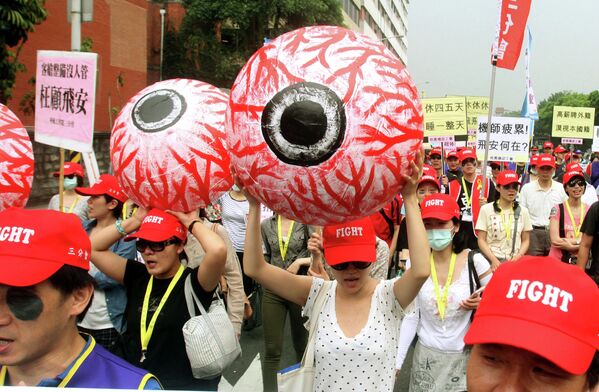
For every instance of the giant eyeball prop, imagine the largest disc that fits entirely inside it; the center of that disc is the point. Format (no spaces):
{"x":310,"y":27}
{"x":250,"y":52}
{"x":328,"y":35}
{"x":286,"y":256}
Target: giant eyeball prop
{"x":168,"y":145}
{"x":16,"y":165}
{"x":321,"y":124}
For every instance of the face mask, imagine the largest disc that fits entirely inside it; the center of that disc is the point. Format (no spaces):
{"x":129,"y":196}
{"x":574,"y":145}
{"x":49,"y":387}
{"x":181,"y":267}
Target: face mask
{"x":70,"y":183}
{"x":439,"y":239}
{"x":236,"y":188}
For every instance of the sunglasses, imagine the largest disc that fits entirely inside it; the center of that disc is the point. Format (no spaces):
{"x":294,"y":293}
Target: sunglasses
{"x":24,"y":303}
{"x":494,"y":167}
{"x":141,"y":245}
{"x":513,"y":186}
{"x":71,"y":176}
{"x":357,"y":264}
{"x":435,"y":156}
{"x":580,"y":183}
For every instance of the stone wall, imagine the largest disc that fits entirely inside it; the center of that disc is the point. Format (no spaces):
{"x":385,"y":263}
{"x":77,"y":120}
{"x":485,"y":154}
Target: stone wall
{"x":47,"y":160}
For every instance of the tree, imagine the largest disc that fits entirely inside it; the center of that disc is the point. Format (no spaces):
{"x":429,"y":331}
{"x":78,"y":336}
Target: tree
{"x":217,"y":37}
{"x":17,"y":20}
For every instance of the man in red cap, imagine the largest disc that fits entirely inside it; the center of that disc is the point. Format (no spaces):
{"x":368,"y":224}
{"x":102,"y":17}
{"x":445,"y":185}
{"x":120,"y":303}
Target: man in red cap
{"x":536,"y":329}
{"x":539,"y":197}
{"x":548,"y":148}
{"x":560,"y":162}
{"x":44,"y":288}
{"x":454,"y":171}
{"x":437,"y":164}
{"x":105,"y":317}
{"x":466,"y":192}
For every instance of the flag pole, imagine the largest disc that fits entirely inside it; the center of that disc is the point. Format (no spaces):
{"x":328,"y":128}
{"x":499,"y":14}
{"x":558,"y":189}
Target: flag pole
{"x":488,"y":137}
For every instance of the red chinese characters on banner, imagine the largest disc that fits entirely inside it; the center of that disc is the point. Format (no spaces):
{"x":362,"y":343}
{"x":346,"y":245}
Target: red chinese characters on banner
{"x":322,"y":123}
{"x":510,"y":32}
{"x":16,"y":162}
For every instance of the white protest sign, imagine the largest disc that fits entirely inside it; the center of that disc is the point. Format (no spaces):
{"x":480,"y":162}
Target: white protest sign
{"x":569,"y":140}
{"x":595,"y":146}
{"x":509,"y":139}
{"x":65,"y":91}
{"x":448,"y":142}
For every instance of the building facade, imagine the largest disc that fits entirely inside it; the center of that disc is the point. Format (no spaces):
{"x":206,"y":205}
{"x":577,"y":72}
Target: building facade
{"x":384,"y":20}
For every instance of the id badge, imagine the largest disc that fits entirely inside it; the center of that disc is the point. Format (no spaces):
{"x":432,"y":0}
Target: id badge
{"x":467,"y":215}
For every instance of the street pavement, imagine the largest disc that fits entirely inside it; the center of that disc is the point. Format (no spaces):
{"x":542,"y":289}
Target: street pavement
{"x":245,"y":375}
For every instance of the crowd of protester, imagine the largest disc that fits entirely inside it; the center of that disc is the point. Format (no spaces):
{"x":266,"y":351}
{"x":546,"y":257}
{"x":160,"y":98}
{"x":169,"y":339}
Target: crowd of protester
{"x":104,"y":304}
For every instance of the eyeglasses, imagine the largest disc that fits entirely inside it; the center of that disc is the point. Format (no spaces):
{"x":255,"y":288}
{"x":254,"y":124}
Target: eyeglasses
{"x":435,"y":156}
{"x":580,"y":183}
{"x":141,"y":245}
{"x":513,"y":186}
{"x":357,"y":264}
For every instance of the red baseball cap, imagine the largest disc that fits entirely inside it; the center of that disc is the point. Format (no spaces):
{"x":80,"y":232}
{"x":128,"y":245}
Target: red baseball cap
{"x":353,"y":241}
{"x":573,"y":166}
{"x":34,"y":244}
{"x":571,"y":174}
{"x":559,"y":149}
{"x":71,"y":168}
{"x":507,"y":177}
{"x":544,"y":306}
{"x":440,"y":206}
{"x":467,"y":153}
{"x":435,"y":151}
{"x":452,"y":154}
{"x":546,"y":160}
{"x":429,"y":174}
{"x":106,"y":185}
{"x":159,"y":226}
{"x":534,"y":160}
{"x":547,"y":145}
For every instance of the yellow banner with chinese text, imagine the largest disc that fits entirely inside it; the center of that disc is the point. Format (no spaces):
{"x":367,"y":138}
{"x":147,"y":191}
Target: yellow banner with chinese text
{"x":573,"y":122}
{"x":444,"y":116}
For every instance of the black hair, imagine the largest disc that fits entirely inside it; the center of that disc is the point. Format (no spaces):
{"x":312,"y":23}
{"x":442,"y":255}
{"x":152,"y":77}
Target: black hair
{"x":460,"y":239}
{"x":593,"y":372}
{"x":496,"y":208}
{"x":117,"y":212}
{"x":68,"y":279}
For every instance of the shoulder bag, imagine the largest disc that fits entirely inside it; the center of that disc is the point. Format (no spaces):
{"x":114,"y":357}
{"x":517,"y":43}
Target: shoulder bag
{"x":210,"y":339}
{"x":473,"y":277}
{"x":300,"y":377}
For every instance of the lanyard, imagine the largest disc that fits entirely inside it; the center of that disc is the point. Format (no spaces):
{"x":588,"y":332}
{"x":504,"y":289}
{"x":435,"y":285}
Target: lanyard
{"x":442,"y":301}
{"x":146,"y":334}
{"x":574,"y":225}
{"x":72,"y":205}
{"x":283,"y":246}
{"x":507,"y":227}
{"x":468,"y":198}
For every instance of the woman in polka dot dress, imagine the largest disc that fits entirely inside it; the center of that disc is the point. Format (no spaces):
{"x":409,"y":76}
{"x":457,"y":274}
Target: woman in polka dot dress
{"x":358,"y":327}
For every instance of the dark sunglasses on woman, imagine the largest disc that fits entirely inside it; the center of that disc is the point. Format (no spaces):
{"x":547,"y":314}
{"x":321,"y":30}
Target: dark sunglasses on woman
{"x":141,"y":245}
{"x":356,"y":264}
{"x":580,"y":183}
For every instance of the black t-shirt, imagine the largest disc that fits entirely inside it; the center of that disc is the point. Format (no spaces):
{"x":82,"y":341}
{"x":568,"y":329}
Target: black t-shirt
{"x":467,"y":226}
{"x":590,"y":226}
{"x":166,"y":357}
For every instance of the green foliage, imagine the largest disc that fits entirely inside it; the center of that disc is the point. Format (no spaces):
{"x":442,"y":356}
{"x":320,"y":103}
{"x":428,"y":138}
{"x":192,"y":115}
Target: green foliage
{"x":217,"y":37}
{"x":87,"y":44}
{"x":17,"y":20}
{"x":561,"y":98}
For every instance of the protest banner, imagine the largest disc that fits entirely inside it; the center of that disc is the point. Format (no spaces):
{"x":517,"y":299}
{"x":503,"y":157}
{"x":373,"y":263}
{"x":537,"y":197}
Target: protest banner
{"x":569,"y":140}
{"x":509,"y":32}
{"x":595,"y":146}
{"x":447,"y":142}
{"x":573,"y":122}
{"x":475,"y":107}
{"x":444,"y":116}
{"x":65,"y":99}
{"x":508,"y":140}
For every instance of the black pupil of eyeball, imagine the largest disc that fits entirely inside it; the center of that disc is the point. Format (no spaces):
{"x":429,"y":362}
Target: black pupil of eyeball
{"x":304,"y":124}
{"x":158,"y":110}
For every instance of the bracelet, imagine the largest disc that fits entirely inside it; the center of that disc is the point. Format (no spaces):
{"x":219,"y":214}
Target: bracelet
{"x":190,"y":227}
{"x":119,"y":226}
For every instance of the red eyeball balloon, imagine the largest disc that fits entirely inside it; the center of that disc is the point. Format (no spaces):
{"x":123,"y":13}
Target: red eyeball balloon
{"x":16,"y":163}
{"x":321,"y":124}
{"x":168,"y":145}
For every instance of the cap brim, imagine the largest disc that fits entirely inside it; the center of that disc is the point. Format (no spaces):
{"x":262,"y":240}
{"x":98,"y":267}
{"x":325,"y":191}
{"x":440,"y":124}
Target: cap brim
{"x":22,"y":271}
{"x":88,"y":192}
{"x":343,"y":254}
{"x":150,"y":235}
{"x":572,"y":355}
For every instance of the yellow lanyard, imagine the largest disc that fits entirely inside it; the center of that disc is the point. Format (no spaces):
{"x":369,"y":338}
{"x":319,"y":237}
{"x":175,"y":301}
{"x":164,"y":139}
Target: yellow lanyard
{"x":72,"y":205}
{"x":574,"y":225}
{"x":442,"y":301}
{"x":69,"y":374}
{"x":507,"y":227}
{"x":146,"y":334}
{"x":468,"y":198}
{"x":283,"y":246}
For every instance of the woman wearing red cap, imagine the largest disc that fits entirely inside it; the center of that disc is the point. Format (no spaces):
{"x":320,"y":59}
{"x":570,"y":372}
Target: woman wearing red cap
{"x":565,"y":220}
{"x":72,"y":202}
{"x":156,"y":307}
{"x":357,"y":325}
{"x":503,"y":226}
{"x":443,"y":306}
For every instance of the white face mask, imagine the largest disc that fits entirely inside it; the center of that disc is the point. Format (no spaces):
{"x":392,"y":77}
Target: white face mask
{"x":70,"y":183}
{"x":439,"y":239}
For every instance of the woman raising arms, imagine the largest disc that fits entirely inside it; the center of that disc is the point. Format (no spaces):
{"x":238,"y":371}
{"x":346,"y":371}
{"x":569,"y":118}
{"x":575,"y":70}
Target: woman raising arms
{"x":358,"y":327}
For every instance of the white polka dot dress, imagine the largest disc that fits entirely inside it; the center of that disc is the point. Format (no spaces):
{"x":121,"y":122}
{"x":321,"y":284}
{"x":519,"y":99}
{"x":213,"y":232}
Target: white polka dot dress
{"x":365,"y":362}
